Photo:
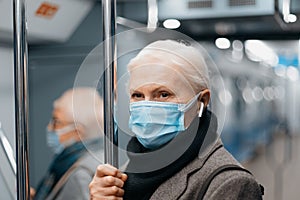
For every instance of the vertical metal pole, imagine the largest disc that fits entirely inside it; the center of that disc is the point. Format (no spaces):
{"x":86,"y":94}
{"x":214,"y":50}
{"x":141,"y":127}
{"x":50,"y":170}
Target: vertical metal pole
{"x":21,"y":98}
{"x":109,"y":30}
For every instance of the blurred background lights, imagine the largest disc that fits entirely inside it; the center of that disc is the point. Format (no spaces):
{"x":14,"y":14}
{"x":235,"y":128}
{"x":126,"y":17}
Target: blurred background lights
{"x":258,"y":51}
{"x":225,"y":97}
{"x":237,"y":45}
{"x":279,"y":92}
{"x":237,"y":55}
{"x":292,"y":18}
{"x":247,"y":95}
{"x":292,"y":73}
{"x":280,"y":70}
{"x":268,"y":93}
{"x":217,"y":82}
{"x":222,"y":43}
{"x":237,"y":50}
{"x":171,"y":23}
{"x":257,"y":94}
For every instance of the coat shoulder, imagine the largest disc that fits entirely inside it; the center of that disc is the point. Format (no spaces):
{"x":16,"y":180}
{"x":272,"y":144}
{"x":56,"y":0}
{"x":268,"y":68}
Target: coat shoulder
{"x":78,"y":178}
{"x":230,"y":184}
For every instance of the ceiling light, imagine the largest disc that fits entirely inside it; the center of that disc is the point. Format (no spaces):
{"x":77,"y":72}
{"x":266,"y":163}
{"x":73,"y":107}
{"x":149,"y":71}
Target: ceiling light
{"x":237,"y":45}
{"x":171,"y":23}
{"x":268,"y":93}
{"x":280,"y":70}
{"x":257,"y":94}
{"x":292,"y":73}
{"x":279,"y":92}
{"x":222,"y":43}
{"x":258,"y":51}
{"x":292,"y":18}
{"x":222,"y":28}
{"x":247,"y":95}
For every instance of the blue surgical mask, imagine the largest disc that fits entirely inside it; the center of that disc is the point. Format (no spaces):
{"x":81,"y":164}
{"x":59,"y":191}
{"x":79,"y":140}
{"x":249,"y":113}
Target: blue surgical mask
{"x":53,"y":138}
{"x":156,"y":123}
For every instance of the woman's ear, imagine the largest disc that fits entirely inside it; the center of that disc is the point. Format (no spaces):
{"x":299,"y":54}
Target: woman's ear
{"x":80,"y":131}
{"x":204,"y":97}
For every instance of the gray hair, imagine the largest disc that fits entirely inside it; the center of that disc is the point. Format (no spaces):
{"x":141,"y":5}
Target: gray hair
{"x":83,"y":106}
{"x":187,"y":58}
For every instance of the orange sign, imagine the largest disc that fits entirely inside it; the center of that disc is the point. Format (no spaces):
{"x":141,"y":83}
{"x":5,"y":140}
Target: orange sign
{"x":47,"y":10}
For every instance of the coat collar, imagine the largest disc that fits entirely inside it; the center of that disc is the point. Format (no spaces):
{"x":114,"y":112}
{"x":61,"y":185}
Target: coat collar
{"x":176,"y":185}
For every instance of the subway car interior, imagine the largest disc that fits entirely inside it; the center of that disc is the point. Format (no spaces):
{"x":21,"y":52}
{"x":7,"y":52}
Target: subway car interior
{"x":253,"y":45}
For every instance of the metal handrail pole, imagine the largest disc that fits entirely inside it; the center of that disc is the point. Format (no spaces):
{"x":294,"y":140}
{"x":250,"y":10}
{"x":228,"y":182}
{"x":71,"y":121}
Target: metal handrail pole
{"x":109,"y":49}
{"x":21,"y":98}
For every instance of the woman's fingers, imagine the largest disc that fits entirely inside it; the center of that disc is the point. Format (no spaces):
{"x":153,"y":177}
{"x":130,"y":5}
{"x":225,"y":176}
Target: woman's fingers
{"x":108,"y":170}
{"x":113,"y":191}
{"x":105,"y":198}
{"x":107,"y":183}
{"x":106,"y":191}
{"x":112,"y":181}
{"x":124,"y":177}
{"x":32,"y":193}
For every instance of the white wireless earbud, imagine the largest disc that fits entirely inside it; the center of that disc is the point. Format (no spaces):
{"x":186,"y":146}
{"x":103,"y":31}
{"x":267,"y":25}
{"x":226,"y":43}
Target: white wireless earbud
{"x":201,"y":109}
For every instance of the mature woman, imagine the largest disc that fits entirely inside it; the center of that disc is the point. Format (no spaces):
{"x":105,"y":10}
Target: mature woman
{"x":174,"y":154}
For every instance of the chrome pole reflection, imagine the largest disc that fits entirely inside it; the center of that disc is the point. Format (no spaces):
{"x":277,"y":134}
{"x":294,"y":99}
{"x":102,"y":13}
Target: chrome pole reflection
{"x":21,"y":98}
{"x":152,"y":15}
{"x":8,"y":150}
{"x":109,"y":30}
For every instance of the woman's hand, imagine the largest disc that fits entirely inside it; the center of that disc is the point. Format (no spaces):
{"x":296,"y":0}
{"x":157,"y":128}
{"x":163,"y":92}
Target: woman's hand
{"x":107,"y":183}
{"x":32,"y":193}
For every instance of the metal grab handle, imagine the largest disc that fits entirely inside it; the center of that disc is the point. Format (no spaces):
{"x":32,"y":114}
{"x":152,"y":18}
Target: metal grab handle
{"x":21,"y":98}
{"x":152,"y":20}
{"x":286,"y":10}
{"x":152,"y":15}
{"x":8,"y":150}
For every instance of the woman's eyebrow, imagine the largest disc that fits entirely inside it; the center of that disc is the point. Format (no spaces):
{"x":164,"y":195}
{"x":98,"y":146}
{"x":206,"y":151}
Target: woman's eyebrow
{"x":162,"y":88}
{"x":131,"y":91}
{"x":154,"y":90}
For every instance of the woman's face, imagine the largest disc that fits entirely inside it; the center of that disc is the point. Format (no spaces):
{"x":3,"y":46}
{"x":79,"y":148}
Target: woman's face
{"x":59,"y":121}
{"x":161,"y":82}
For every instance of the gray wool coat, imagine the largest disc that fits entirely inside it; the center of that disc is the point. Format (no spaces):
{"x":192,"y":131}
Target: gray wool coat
{"x":228,"y":185}
{"x":74,"y":184}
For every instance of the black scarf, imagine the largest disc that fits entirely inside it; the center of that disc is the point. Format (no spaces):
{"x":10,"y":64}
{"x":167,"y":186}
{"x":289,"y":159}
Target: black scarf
{"x":142,"y":179}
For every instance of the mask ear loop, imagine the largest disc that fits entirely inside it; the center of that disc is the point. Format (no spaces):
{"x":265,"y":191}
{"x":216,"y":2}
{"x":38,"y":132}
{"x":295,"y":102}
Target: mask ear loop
{"x":201,"y":109}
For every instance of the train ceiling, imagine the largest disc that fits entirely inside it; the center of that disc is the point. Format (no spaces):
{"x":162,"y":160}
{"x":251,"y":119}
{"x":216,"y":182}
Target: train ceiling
{"x":56,"y":20}
{"x":47,"y":20}
{"x":208,"y":19}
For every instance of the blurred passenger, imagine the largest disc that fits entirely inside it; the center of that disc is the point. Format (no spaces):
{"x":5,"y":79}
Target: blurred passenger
{"x":75,"y":135}
{"x":175,"y":151}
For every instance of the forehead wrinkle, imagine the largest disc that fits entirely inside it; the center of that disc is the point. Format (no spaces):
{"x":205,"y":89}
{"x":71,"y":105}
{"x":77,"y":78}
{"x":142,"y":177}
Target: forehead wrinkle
{"x":169,"y":76}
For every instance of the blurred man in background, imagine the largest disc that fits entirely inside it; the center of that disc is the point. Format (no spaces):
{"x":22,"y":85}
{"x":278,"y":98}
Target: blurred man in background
{"x":75,"y":135}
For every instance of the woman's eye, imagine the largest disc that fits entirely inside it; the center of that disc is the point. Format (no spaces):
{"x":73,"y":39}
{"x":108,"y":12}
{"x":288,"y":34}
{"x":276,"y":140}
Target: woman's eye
{"x":164,"y":94}
{"x":137,"y":95}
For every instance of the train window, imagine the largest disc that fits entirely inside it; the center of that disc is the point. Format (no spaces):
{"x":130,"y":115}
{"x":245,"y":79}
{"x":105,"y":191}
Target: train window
{"x":250,"y":48}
